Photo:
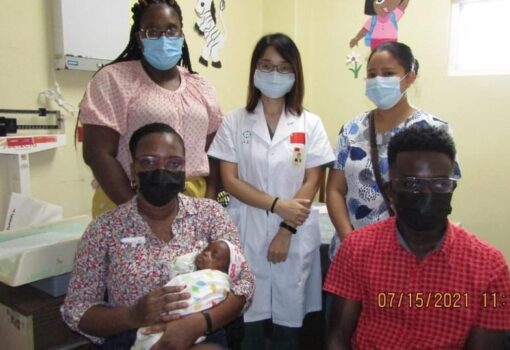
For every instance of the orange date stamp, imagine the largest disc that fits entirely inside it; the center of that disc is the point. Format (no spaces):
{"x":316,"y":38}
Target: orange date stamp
{"x":419,"y":300}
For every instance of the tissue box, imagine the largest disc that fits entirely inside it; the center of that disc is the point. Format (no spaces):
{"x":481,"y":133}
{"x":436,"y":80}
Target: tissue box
{"x":35,"y":253}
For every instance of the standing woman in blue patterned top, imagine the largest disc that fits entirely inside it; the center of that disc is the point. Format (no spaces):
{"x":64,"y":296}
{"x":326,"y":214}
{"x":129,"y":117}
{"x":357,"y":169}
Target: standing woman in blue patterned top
{"x":354,"y":198}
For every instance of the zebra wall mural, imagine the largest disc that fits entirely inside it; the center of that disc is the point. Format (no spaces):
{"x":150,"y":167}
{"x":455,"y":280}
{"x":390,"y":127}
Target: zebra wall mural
{"x":206,"y":26}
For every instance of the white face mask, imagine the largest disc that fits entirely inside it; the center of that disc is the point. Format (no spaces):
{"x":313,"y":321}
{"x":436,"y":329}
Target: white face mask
{"x":384,"y":92}
{"x":273,"y":84}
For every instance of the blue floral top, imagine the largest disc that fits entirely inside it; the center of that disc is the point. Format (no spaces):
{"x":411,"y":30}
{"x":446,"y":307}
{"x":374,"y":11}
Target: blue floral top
{"x":364,"y":200}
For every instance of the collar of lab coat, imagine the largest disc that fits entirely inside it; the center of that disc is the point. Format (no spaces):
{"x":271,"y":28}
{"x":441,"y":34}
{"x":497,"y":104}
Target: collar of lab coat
{"x":283,"y":130}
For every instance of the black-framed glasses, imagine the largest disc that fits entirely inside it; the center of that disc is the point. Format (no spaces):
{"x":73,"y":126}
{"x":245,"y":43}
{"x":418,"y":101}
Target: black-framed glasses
{"x":150,"y":162}
{"x":154,"y":33}
{"x":267,"y":67}
{"x":423,"y":185}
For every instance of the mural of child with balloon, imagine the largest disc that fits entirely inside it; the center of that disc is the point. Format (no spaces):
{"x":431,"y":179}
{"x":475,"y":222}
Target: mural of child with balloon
{"x":382,"y":26}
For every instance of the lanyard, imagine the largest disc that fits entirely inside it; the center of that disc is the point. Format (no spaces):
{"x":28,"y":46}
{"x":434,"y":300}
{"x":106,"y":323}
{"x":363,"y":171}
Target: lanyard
{"x":374,"y":153}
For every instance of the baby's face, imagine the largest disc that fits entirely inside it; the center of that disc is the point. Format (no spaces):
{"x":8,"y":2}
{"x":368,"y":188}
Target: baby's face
{"x":215,"y":256}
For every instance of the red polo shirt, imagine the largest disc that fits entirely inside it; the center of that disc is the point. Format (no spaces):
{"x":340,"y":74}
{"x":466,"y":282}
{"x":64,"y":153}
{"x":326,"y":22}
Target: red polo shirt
{"x":428,"y":304}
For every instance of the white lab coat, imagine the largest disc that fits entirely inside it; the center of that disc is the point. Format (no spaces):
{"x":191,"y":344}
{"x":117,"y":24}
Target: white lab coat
{"x":285,"y":291}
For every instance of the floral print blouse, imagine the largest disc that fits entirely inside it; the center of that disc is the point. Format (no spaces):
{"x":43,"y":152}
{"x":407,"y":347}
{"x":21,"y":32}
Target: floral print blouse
{"x":119,"y":253}
{"x":364,"y":200}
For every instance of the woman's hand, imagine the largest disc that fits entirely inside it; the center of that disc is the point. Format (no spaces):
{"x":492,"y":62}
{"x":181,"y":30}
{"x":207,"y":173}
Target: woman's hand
{"x":279,"y":247}
{"x":156,"y":306}
{"x":178,"y":335}
{"x":294,"y":211}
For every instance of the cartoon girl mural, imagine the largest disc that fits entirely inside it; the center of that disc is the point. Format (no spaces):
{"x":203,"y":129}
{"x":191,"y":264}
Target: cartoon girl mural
{"x":382,"y":27}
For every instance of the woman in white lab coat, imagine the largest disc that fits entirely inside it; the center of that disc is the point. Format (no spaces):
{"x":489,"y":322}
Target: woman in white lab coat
{"x":273,"y":154}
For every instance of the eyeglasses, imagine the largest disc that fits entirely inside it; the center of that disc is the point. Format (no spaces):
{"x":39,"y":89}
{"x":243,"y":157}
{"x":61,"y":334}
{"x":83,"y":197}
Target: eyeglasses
{"x":155,"y":34}
{"x":155,"y":162}
{"x":267,"y":67}
{"x":422,"y":185}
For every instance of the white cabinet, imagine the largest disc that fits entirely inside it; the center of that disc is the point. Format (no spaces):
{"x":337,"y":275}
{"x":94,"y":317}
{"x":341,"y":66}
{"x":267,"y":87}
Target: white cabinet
{"x":89,"y":33}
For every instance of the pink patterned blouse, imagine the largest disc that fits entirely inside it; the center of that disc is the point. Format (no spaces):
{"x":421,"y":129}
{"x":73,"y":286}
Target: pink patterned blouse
{"x":123,"y":97}
{"x":119,"y":253}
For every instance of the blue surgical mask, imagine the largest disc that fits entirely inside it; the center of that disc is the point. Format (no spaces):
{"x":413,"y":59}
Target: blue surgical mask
{"x":273,"y":84}
{"x":163,"y":53}
{"x":384,"y":92}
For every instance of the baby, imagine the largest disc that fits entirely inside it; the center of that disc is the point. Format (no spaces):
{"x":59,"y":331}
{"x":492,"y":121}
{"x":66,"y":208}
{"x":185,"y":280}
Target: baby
{"x":216,"y":266}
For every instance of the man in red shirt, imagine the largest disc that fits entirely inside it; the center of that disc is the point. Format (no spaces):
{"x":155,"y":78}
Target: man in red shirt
{"x":418,"y":281}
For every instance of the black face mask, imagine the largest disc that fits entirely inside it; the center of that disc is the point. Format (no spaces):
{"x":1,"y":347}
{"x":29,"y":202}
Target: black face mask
{"x":423,"y":211}
{"x":160,"y":186}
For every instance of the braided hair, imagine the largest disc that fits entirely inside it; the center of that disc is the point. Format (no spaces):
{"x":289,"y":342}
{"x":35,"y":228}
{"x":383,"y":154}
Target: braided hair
{"x":132,"y":51}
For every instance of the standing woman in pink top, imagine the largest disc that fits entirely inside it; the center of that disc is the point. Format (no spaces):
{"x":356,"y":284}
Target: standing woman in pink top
{"x":151,"y":81}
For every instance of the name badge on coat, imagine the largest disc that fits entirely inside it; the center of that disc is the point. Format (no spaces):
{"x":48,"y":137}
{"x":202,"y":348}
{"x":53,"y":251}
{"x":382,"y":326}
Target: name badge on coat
{"x":133,"y":241}
{"x":298,"y":142}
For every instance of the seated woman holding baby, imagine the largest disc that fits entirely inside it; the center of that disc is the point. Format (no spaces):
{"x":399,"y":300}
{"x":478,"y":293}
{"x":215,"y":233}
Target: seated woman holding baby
{"x":128,"y":254}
